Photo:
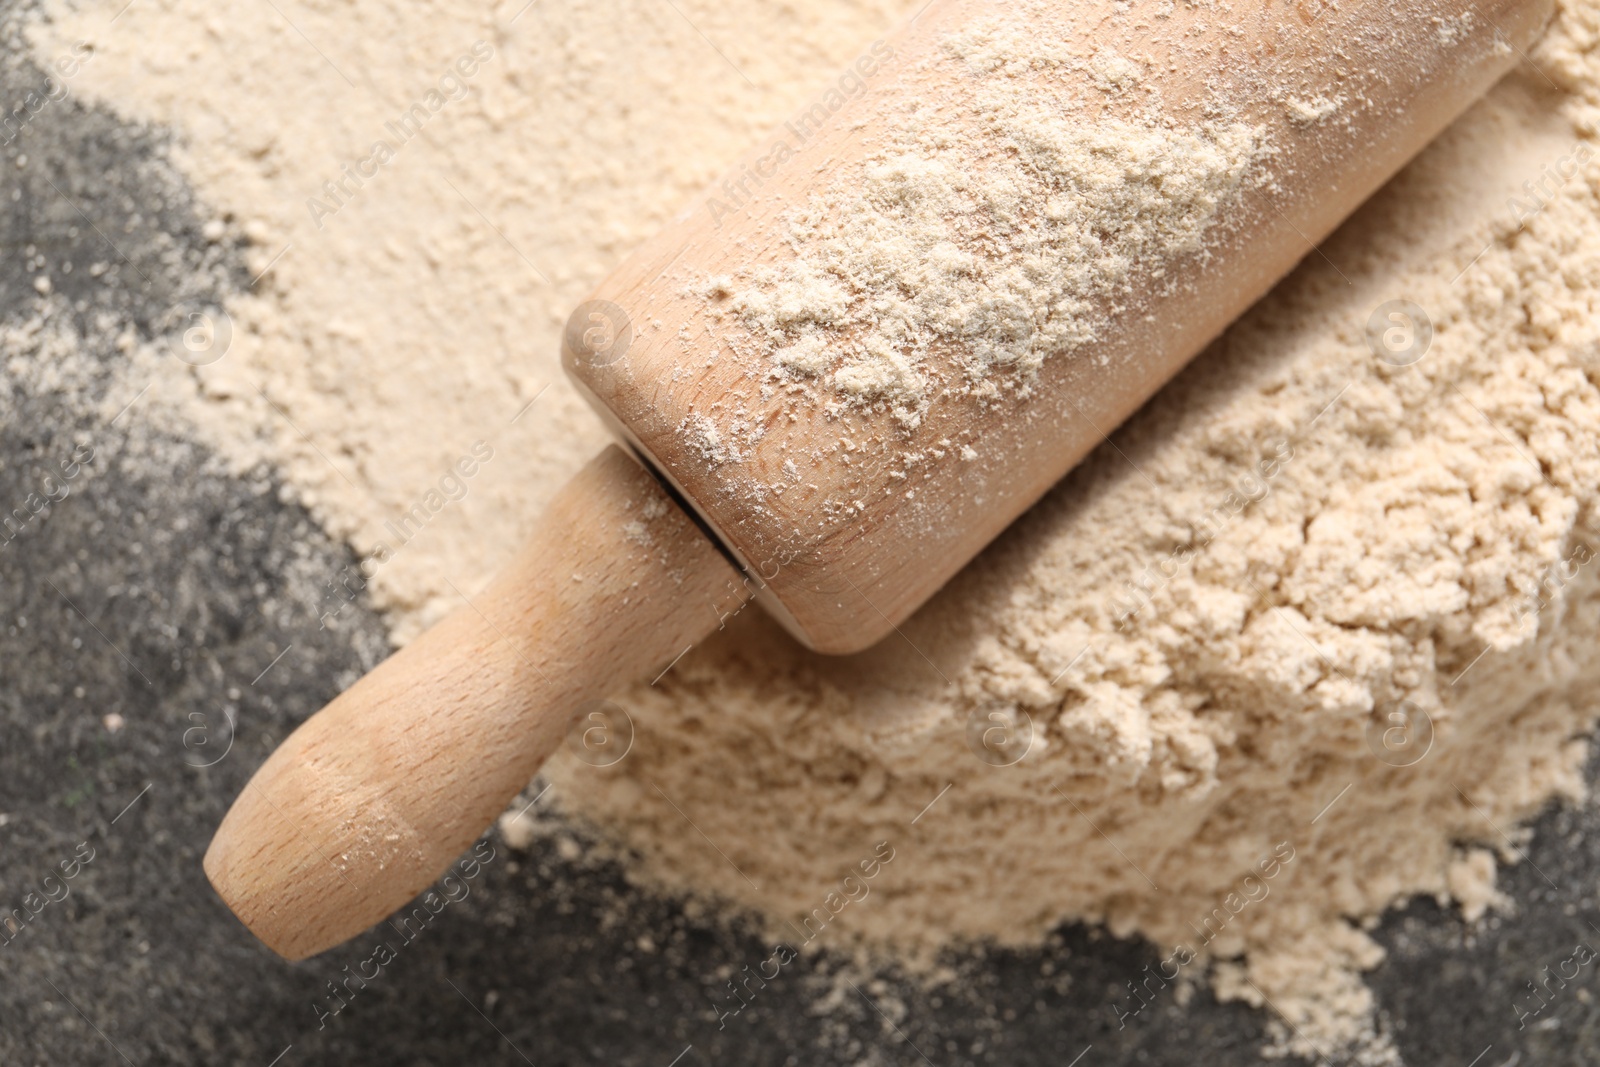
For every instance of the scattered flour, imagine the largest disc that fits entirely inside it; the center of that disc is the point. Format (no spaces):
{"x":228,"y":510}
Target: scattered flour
{"x":1003,"y":246}
{"x":1295,"y":542}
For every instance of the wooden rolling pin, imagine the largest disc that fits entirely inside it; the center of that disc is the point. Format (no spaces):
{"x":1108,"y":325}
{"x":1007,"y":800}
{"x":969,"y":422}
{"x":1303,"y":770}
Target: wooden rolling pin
{"x":789,"y":452}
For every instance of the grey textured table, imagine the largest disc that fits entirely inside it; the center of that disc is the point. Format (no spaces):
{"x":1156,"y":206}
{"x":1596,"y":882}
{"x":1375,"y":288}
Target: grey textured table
{"x":159,"y":588}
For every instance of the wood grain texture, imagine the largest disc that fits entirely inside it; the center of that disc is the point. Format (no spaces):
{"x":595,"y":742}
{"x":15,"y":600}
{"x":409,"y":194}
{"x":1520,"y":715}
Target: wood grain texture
{"x":816,"y":506}
{"x":374,"y":796}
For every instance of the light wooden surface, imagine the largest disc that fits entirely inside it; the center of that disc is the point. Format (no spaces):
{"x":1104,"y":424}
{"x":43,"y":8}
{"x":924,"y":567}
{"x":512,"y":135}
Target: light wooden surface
{"x":374,"y":796}
{"x":844,"y":553}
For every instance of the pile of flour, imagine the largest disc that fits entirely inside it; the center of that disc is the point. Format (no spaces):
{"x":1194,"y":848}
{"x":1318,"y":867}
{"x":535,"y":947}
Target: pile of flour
{"x":1309,"y":639}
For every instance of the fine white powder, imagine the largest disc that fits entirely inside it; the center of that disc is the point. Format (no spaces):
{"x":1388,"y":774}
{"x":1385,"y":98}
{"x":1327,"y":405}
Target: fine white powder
{"x":994,"y":225}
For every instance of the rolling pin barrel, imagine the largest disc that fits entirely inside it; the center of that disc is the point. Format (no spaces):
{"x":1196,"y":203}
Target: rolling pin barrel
{"x":849,"y":515}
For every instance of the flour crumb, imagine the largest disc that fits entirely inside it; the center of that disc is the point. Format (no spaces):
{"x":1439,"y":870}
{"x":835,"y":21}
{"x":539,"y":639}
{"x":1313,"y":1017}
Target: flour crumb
{"x":1313,"y":111}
